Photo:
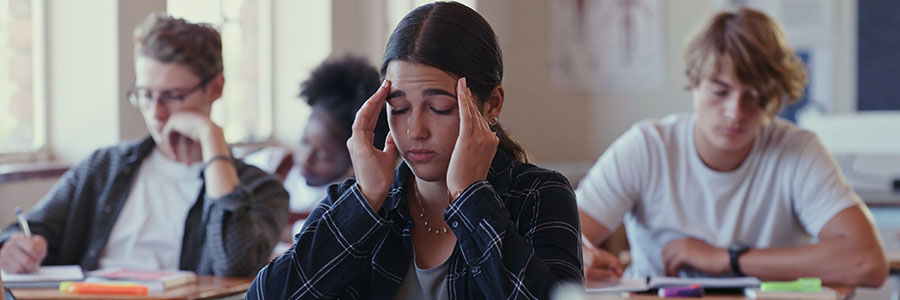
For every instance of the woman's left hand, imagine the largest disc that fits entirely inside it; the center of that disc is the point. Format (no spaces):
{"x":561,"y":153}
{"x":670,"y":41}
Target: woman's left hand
{"x":475,"y":145}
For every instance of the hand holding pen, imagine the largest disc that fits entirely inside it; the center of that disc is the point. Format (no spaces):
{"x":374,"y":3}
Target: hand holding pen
{"x":23,"y":252}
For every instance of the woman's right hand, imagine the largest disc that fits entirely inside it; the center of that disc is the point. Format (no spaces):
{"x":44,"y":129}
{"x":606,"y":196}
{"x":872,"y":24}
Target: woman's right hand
{"x":374,"y":169}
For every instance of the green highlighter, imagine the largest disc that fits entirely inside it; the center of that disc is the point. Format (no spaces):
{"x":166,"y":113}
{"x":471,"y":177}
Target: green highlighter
{"x":810,"y":284}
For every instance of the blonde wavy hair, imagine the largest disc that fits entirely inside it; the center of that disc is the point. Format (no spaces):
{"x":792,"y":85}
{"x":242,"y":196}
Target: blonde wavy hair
{"x":756,"y":48}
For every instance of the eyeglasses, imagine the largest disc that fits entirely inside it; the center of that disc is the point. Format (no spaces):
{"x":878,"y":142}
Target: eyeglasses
{"x":143,"y":97}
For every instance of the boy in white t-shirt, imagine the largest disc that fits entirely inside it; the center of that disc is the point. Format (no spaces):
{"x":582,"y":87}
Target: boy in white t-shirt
{"x":730,"y":190}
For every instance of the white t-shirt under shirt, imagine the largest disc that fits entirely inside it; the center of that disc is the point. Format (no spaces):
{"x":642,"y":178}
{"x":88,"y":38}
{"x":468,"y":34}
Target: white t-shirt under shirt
{"x":783,"y":194}
{"x":149,"y":231}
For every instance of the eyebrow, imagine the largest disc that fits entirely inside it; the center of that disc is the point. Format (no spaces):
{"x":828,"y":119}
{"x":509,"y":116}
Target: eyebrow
{"x":395,"y":94}
{"x":425,"y":93}
{"x":437,"y":92}
{"x":719,"y":82}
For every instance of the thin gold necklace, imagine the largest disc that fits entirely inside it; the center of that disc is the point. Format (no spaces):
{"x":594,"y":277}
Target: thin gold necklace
{"x":424,"y":217}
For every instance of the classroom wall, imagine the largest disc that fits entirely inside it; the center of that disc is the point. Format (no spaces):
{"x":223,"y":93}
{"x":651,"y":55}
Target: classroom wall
{"x":82,"y":110}
{"x":572,"y":128}
{"x":580,"y":125}
{"x":89,"y":112}
{"x":21,"y":194}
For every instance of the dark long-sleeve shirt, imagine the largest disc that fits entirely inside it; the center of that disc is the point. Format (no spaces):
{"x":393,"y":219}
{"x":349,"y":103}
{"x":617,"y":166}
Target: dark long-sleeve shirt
{"x":232,"y":235}
{"x":517,"y":237}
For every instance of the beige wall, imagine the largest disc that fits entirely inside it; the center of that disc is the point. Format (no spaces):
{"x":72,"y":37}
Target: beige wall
{"x":577,"y":126}
{"x":562,"y":129}
{"x":89,"y":112}
{"x":22,"y":194}
{"x":574,"y":126}
{"x":296,"y":52}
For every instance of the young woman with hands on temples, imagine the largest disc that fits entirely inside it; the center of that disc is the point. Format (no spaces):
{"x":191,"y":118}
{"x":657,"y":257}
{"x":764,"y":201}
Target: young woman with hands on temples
{"x":463,"y":216}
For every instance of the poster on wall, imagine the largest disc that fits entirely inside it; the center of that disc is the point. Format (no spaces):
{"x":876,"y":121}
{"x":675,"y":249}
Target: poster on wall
{"x":607,"y":45}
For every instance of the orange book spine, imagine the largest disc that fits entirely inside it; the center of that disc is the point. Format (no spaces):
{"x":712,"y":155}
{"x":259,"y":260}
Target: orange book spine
{"x":106,"y":289}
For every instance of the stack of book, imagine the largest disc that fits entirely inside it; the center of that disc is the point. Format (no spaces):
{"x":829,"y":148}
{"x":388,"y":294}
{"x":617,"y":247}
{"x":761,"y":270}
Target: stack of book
{"x":156,"y":281}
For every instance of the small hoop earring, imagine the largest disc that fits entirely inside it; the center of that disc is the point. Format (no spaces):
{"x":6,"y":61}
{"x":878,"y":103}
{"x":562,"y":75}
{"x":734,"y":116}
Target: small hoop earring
{"x":493,"y":121}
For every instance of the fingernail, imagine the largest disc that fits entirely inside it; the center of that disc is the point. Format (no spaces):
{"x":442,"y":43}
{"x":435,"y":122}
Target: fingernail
{"x":464,"y":83}
{"x":384,"y":83}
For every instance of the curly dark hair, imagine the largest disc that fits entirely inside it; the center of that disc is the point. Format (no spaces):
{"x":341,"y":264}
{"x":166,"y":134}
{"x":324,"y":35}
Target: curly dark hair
{"x":340,"y":87}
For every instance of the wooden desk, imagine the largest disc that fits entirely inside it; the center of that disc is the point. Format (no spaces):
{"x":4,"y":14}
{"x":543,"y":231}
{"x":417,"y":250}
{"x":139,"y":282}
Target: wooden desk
{"x":845,"y":292}
{"x":206,"y":287}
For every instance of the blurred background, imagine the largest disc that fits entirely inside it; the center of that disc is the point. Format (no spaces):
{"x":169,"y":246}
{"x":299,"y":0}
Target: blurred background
{"x":578,"y":73}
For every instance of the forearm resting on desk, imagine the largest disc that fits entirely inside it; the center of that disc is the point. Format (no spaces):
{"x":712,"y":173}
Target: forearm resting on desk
{"x":849,"y":252}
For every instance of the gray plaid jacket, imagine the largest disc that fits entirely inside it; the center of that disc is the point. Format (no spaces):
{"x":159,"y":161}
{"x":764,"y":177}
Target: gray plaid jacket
{"x":230,"y":236}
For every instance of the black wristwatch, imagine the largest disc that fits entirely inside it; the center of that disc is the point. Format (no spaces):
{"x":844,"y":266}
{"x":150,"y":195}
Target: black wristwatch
{"x":734,"y":253}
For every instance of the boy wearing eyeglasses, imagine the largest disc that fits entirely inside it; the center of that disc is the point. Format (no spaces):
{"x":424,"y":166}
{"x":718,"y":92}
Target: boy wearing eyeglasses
{"x":175,"y":200}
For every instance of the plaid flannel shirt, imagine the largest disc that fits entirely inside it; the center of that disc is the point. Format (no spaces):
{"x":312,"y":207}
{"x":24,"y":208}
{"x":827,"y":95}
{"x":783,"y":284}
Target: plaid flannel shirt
{"x":517,"y":233}
{"x":231,"y":236}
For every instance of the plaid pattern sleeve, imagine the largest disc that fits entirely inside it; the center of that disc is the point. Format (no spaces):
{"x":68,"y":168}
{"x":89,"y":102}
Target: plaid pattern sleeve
{"x":233,"y":235}
{"x":517,"y":238}
{"x":48,"y":217}
{"x":243,"y":226}
{"x":332,"y":250}
{"x":525,"y":254}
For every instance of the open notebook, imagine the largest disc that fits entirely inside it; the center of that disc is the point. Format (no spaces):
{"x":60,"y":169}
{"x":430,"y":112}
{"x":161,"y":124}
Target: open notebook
{"x":6,"y":294}
{"x":645,"y":284}
{"x":46,"y":276}
{"x":824,"y":294}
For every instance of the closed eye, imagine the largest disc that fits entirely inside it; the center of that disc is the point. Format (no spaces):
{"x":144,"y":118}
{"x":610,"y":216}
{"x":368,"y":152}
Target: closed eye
{"x":399,"y":111}
{"x":442,"y":112}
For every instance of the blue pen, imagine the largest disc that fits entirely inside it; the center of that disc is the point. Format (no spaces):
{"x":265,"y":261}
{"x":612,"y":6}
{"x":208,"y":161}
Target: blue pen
{"x":23,"y":222}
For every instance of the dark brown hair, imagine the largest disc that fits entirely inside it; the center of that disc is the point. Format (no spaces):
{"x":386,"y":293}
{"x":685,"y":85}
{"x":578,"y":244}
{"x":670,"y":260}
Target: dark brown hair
{"x":454,"y":38}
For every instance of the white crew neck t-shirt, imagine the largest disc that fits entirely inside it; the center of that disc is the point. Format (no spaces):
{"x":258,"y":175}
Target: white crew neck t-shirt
{"x":653,"y":179}
{"x":149,"y":231}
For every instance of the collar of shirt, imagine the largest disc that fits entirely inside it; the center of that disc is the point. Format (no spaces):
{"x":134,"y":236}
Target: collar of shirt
{"x":499,"y":175}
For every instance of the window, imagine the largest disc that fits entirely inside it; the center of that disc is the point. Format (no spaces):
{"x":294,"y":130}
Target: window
{"x":22,"y":130}
{"x":245,"y":110}
{"x":398,"y":8}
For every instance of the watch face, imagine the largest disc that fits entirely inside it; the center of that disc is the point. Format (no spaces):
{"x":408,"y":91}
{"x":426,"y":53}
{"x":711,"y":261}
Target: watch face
{"x":738,"y":248}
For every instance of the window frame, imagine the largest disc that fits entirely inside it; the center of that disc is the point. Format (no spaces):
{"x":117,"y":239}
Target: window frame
{"x":265,"y":72}
{"x":39,"y":97}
